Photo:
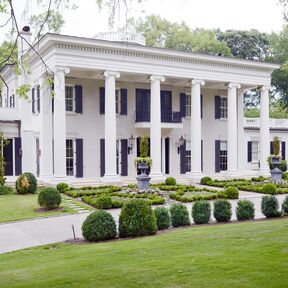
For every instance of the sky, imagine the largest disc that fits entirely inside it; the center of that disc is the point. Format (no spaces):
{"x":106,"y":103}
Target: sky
{"x":87,"y":20}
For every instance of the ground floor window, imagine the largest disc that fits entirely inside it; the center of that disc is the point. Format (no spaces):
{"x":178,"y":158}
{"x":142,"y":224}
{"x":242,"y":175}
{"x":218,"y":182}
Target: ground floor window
{"x":69,"y":157}
{"x":223,"y":155}
{"x":255,"y":151}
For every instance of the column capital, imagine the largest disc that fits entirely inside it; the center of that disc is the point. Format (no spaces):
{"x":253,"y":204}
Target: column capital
{"x":160,"y":78}
{"x":233,"y":85}
{"x":264,"y":88}
{"x":197,"y":82}
{"x":66,"y":70}
{"x":111,"y":73}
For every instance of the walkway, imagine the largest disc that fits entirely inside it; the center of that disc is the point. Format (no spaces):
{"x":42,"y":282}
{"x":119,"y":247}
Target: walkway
{"x":24,"y":234}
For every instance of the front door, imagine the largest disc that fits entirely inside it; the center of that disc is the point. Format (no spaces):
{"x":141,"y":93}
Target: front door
{"x":8,"y":157}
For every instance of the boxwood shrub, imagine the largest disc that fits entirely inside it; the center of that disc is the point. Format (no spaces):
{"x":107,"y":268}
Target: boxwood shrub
{"x":103,"y":202}
{"x":26,"y":183}
{"x":222,"y":210}
{"x":269,"y":188}
{"x":179,"y":215}
{"x":137,"y":218}
{"x":245,"y":210}
{"x":99,"y":225}
{"x":270,"y":206}
{"x":285,"y":206}
{"x":61,"y":187}
{"x":4,"y":190}
{"x":162,"y":217}
{"x":201,"y":212}
{"x":205,"y":180}
{"x":170,"y":181}
{"x":49,"y":198}
{"x":231,"y":192}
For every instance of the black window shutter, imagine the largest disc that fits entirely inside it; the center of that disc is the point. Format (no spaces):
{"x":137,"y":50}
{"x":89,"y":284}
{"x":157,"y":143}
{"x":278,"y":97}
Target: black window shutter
{"x":78,"y":99}
{"x":249,"y":151}
{"x":283,"y":148}
{"x":102,"y":157}
{"x":217,"y":155}
{"x":18,"y":156}
{"x":271,"y":148}
{"x":202,"y":155}
{"x":124,"y":157}
{"x":217,"y":107}
{"x":183,"y":104}
{"x":79,"y":158}
{"x":33,"y":100}
{"x":123,"y":110}
{"x":167,"y":155}
{"x":183,"y":158}
{"x":201,"y":103}
{"x":38,"y":98}
{"x":102,"y":100}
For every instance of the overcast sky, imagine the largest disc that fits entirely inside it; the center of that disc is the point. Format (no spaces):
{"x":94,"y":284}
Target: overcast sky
{"x":87,"y":20}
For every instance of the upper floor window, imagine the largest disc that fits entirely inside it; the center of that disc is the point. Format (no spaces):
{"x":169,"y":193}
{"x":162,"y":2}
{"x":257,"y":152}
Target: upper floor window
{"x":69,"y":99}
{"x":12,"y":101}
{"x":118,"y":101}
{"x":223,"y":107}
{"x":36,"y":99}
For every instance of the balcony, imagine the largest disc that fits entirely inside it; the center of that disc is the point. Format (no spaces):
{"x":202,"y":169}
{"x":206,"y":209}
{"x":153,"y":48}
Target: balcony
{"x":169,"y":119}
{"x":274,"y":123}
{"x":9,"y":114}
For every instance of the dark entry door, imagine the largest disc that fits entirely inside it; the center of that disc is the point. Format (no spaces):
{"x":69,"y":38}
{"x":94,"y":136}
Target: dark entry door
{"x":8,"y":157}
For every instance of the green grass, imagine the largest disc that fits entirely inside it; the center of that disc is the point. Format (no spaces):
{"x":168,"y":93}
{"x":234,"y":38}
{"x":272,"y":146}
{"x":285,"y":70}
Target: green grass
{"x":251,"y":254}
{"x":15,"y":207}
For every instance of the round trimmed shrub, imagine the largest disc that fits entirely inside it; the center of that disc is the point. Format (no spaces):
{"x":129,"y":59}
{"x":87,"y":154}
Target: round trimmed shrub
{"x":222,"y":210}
{"x":179,"y":215}
{"x":201,"y":212}
{"x":103,"y":202}
{"x":26,"y":183}
{"x":100,"y":225}
{"x":162,"y":217}
{"x":285,"y":206}
{"x":245,"y":210}
{"x":49,"y":198}
{"x":137,"y":218}
{"x":205,"y":180}
{"x":170,"y":181}
{"x":4,"y":190}
{"x":269,"y":188}
{"x":283,"y":165}
{"x":270,"y":206}
{"x":61,"y":187}
{"x":231,"y":192}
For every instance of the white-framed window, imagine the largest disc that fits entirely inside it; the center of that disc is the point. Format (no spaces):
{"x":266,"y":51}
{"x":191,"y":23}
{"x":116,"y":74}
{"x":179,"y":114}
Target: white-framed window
{"x":12,"y":101}
{"x":223,"y":155}
{"x":255,"y":151}
{"x":223,"y":107}
{"x":69,"y":98}
{"x":188,"y":105}
{"x":70,"y":157}
{"x":118,"y":100}
{"x":188,"y":156}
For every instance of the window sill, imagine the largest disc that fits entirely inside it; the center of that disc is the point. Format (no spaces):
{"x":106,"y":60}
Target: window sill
{"x":70,"y":113}
{"x":223,"y":119}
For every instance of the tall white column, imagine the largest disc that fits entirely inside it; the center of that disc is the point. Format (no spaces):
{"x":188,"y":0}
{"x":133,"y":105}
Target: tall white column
{"x":264,"y":130}
{"x":155,"y":126}
{"x":45,"y":139}
{"x":59,"y":123}
{"x":110,"y":126}
{"x":232,"y":128}
{"x":195,"y":132}
{"x":241,"y":144}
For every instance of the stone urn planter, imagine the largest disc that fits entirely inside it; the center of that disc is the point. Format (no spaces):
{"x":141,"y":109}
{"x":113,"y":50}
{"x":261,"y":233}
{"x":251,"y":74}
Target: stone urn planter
{"x":276,"y":173}
{"x":143,"y":180}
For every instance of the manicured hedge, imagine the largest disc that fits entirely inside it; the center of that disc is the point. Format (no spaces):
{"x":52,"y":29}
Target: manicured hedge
{"x":26,"y":183}
{"x":222,"y":210}
{"x":49,"y":198}
{"x":61,"y":187}
{"x":179,"y":215}
{"x":4,"y":190}
{"x":285,"y":206}
{"x":201,"y":212}
{"x":163,"y":218}
{"x":170,"y":181}
{"x":245,"y":210}
{"x":270,"y":206}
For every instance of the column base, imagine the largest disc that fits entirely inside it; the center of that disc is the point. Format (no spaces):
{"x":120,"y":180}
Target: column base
{"x":157,"y":177}
{"x":195,"y":177}
{"x":112,"y":178}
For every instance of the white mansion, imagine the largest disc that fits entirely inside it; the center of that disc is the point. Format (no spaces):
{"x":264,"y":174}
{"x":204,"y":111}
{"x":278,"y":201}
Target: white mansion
{"x":106,"y":94}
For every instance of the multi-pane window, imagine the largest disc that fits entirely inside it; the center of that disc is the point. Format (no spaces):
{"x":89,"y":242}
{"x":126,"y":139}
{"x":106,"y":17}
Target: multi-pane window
{"x":223,"y":107}
{"x":69,"y":98}
{"x":188,"y":105}
{"x":12,"y":101}
{"x":255,"y":151}
{"x":69,"y":157}
{"x":117,"y":101}
{"x":223,"y":155}
{"x":188,"y":156}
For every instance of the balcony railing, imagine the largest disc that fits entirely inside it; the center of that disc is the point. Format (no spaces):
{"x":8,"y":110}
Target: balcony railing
{"x":166,"y":116}
{"x":274,"y":123}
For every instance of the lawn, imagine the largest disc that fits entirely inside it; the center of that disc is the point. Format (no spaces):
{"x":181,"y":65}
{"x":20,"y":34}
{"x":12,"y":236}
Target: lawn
{"x":251,"y":254}
{"x":18,"y":207}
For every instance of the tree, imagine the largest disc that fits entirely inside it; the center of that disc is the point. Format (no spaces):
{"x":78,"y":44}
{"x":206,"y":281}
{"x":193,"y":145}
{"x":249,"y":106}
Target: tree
{"x":162,"y":33}
{"x":284,"y":4}
{"x":249,"y":45}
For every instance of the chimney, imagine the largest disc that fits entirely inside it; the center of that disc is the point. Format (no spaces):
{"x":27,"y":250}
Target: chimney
{"x":24,"y":40}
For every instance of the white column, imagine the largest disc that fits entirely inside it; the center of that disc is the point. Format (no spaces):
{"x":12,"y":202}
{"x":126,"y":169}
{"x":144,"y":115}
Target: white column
{"x":110,"y":126}
{"x":59,"y":123}
{"x":232,"y":128}
{"x":155,"y":126}
{"x":241,"y":144}
{"x":196,"y":130}
{"x":46,"y":130}
{"x":264,"y":130}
